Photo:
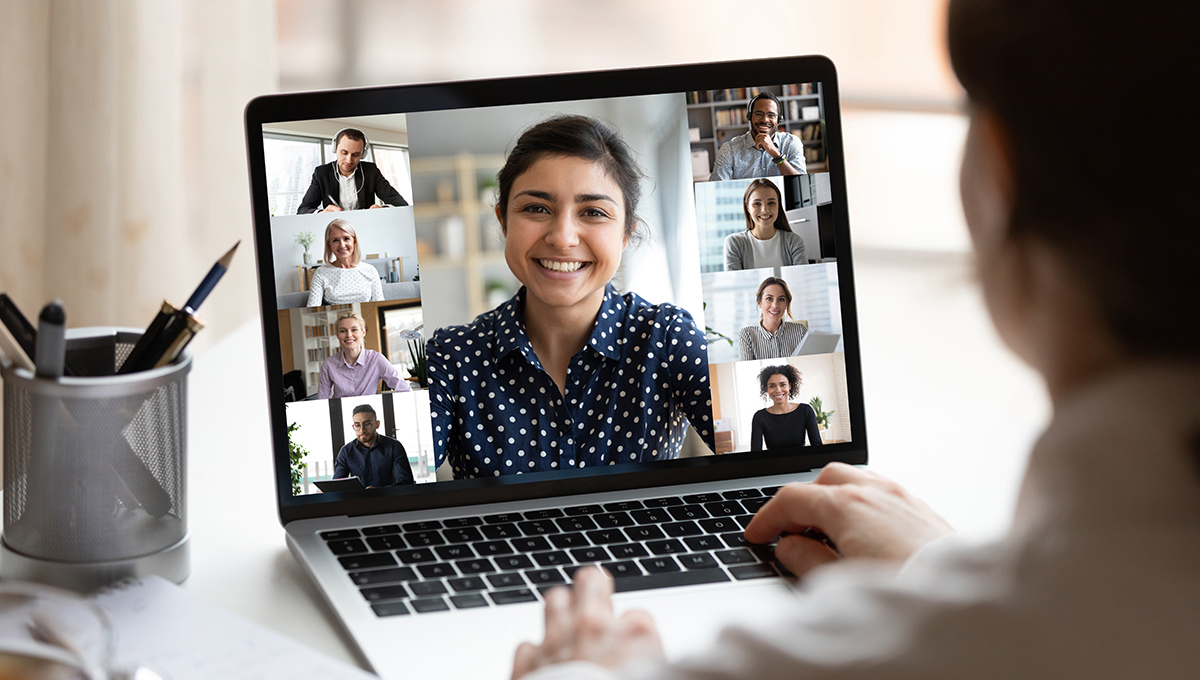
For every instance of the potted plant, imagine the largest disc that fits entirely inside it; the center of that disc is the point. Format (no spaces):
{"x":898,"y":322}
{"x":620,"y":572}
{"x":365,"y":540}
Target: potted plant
{"x":416,"y":350}
{"x":822,"y":416}
{"x":306,"y":238}
{"x":297,"y":454}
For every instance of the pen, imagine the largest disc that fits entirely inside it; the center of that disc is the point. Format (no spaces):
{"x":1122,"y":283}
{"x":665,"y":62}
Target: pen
{"x":210,"y":281}
{"x":331,"y":201}
{"x":51,"y":341}
{"x":13,"y":350}
{"x":20,"y":330}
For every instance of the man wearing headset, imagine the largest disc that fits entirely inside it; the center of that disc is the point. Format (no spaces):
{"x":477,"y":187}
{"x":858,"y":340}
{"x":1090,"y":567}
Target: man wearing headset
{"x":348,"y":183}
{"x":764,"y":151}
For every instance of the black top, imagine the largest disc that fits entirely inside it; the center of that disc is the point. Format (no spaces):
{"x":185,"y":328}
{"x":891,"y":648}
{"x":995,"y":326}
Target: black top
{"x":367,"y":177}
{"x":385,"y":464}
{"x":782,"y":431}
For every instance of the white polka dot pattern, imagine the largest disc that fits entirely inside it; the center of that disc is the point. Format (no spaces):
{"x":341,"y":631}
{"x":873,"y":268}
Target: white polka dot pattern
{"x":336,"y":286}
{"x":630,"y":392}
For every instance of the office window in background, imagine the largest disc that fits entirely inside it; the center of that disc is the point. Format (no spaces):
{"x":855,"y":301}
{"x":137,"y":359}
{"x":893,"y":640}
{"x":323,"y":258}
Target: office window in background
{"x":290,"y":163}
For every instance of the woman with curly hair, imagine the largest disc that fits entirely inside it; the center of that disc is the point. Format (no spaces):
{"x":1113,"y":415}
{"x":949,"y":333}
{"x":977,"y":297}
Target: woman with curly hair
{"x":783,"y":424}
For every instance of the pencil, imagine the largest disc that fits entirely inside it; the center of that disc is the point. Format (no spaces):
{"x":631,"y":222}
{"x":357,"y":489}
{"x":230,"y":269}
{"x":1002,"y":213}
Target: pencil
{"x":210,"y":281}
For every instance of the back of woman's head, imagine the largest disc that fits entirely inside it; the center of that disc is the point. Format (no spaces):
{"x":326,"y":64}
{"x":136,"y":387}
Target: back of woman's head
{"x":1098,"y":100}
{"x":575,"y":137}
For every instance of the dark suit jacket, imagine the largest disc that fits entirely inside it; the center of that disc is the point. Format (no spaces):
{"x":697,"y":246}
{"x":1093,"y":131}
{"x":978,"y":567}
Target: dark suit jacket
{"x":371,"y":183}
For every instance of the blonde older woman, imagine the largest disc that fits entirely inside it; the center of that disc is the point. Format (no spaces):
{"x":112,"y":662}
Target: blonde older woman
{"x":345,"y":278}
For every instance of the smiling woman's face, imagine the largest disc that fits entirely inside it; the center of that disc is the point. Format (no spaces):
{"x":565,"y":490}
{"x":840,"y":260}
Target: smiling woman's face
{"x":341,"y":244}
{"x":564,"y":231}
{"x":778,"y":388}
{"x":762,"y":207}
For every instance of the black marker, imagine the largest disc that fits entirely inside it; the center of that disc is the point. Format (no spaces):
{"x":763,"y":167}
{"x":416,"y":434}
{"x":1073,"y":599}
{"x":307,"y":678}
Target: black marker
{"x":51,"y":341}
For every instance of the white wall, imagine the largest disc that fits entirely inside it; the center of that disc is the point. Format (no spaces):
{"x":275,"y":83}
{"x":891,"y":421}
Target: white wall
{"x":389,"y":230}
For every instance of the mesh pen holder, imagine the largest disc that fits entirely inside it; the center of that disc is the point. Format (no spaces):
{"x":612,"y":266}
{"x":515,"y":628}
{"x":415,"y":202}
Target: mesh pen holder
{"x":95,"y":468}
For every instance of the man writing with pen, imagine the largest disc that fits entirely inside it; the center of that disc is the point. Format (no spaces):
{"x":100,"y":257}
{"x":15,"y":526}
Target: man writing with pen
{"x":348,"y":183}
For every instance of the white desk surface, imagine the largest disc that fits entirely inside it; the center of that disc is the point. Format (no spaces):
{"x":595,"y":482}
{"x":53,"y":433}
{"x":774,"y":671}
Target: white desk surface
{"x":950,"y":414}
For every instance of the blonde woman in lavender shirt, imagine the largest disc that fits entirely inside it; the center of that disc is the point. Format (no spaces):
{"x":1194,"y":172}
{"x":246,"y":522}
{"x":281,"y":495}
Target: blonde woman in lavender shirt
{"x":353,"y":371}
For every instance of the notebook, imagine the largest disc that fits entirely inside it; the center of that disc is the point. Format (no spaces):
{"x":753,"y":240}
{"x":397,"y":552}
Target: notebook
{"x":522,"y":312}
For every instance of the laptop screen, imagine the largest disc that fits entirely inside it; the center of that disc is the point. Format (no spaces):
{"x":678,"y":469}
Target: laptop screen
{"x":471,"y":286}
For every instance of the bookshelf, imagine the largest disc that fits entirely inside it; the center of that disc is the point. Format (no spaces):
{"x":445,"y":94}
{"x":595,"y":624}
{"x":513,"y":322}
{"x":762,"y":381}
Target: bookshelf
{"x":716,"y":116}
{"x":319,"y":340}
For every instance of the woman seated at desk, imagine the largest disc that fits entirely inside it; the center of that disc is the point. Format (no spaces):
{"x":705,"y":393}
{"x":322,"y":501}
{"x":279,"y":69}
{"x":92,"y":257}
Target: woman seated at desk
{"x":771,"y":337}
{"x":768,"y":240}
{"x":783,"y":424}
{"x":345,"y":278}
{"x":565,"y":373}
{"x":353,"y":371}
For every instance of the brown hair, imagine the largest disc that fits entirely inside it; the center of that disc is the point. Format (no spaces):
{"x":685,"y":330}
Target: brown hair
{"x":775,"y":281}
{"x":1052,"y":74}
{"x":780,"y":219}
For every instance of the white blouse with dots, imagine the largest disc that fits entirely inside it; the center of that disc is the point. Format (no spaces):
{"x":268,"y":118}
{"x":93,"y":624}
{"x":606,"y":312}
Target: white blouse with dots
{"x":336,"y":286}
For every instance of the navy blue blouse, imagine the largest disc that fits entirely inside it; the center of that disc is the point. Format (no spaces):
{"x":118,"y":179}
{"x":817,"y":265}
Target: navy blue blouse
{"x":630,"y":392}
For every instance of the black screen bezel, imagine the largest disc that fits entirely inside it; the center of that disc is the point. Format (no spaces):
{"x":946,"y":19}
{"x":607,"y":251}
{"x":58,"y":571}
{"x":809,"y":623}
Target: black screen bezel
{"x":540,"y":89}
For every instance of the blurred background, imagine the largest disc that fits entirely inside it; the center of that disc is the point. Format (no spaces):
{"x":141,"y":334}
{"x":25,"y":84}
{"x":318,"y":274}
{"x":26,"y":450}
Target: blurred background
{"x":125,"y":170}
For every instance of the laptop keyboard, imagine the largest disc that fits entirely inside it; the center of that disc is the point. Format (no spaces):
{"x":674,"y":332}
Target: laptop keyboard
{"x":499,"y":559}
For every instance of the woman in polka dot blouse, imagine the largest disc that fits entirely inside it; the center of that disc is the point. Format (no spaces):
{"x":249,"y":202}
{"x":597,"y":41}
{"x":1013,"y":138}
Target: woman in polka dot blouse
{"x":346,"y":278}
{"x":568,"y":373}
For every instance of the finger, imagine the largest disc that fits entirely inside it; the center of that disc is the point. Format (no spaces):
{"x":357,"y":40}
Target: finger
{"x":841,"y":473}
{"x":593,"y":611}
{"x":638,"y":636}
{"x":793,"y":508}
{"x":525,"y":660}
{"x":801,"y":555}
{"x":560,"y":623}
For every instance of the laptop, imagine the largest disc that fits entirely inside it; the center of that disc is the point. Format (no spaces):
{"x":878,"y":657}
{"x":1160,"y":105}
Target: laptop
{"x":390,"y":289}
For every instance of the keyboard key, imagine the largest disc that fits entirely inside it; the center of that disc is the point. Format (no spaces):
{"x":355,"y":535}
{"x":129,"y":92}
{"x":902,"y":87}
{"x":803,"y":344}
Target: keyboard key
{"x":427,"y":588}
{"x":744,"y":520}
{"x":437,"y":570}
{"x":513,"y":596}
{"x":720,"y":525}
{"x":754,"y":504}
{"x":367,"y":561}
{"x":395,"y":592}
{"x":770,"y":490}
{"x":609,"y":520}
{"x":663,"y":502}
{"x":725,"y":509}
{"x":382,"y":530}
{"x":583,"y":510}
{"x":572,"y":540}
{"x":507,"y":580}
{"x":462,"y":522}
{"x":592,"y":554}
{"x":749,"y":571}
{"x":428,"y":525}
{"x":623,"y":569}
{"x":339,"y":535}
{"x":708,"y":542}
{"x":435,"y":604}
{"x":467,"y":584}
{"x":552,"y":558}
{"x":383,"y":543}
{"x":349,"y":546}
{"x":469,"y":601}
{"x":493,"y":548}
{"x":510,"y":562}
{"x":541,"y":577}
{"x":396,"y":575}
{"x":504,"y":518}
{"x":644,"y":533}
{"x":682,"y":512}
{"x":698,"y":561}
{"x":462,"y":535}
{"x":667,"y":547}
{"x":702,"y":498}
{"x":622,"y":506}
{"x":494,"y":531}
{"x":548,"y":513}
{"x":478,"y":566}
{"x":650,"y":516}
{"x":538,"y":527}
{"x":424,"y":538}
{"x":531,"y":544}
{"x":627,"y":551}
{"x":669,"y":579}
{"x":390,"y":609}
{"x":454,"y":552}
{"x":659,"y":565}
{"x":734,"y":540}
{"x":680,"y":529}
{"x":581,"y":523}
{"x":736,"y":556}
{"x":416,"y":555}
{"x":602,"y":537}
{"x":739,"y":494}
